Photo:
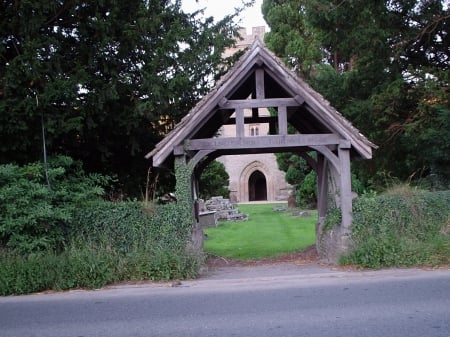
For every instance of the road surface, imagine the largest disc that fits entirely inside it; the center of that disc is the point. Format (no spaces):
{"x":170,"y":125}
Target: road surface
{"x":259,"y":301}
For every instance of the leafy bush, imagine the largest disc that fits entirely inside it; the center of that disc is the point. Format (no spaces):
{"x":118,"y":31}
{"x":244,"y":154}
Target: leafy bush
{"x":404,"y":229}
{"x":36,"y":216}
{"x":306,"y":195}
{"x":107,"y":242}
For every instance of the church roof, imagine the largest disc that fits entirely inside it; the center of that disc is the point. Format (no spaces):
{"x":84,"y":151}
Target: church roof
{"x":312,"y":114}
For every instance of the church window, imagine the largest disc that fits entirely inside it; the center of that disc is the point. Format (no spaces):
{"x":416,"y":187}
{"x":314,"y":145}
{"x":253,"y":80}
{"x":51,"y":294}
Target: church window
{"x":254,"y":130}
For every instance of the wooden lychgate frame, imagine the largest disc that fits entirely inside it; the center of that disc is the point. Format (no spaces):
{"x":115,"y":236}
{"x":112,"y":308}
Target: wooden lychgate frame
{"x":260,"y":80}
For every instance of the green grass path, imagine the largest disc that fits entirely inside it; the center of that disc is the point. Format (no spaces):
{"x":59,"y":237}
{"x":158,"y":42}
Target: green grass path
{"x":267,"y":233}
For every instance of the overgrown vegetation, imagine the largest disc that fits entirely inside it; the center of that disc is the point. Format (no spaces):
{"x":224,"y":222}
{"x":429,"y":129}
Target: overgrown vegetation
{"x":113,"y":242}
{"x":67,"y":237}
{"x":267,"y":233}
{"x":402,"y":228}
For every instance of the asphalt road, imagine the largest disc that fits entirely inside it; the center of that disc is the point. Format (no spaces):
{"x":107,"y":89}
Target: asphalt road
{"x":266,"y":301}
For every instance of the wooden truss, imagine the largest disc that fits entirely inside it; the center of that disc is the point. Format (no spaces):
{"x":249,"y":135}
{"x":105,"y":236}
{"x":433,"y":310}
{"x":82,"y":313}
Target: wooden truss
{"x":261,"y":80}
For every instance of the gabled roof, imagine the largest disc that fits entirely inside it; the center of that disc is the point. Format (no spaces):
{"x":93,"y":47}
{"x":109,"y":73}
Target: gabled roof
{"x":313,"y":114}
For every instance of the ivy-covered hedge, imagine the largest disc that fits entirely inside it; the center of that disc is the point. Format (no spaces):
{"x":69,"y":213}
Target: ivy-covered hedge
{"x":109,"y":242}
{"x":401,"y":230}
{"x":64,"y":236}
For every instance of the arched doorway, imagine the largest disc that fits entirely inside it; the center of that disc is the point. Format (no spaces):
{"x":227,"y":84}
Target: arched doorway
{"x":257,"y":186}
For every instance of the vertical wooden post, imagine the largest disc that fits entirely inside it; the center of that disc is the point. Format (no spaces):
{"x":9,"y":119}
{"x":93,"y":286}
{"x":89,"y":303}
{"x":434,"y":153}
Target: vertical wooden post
{"x":188,"y":210}
{"x":282,"y":120}
{"x":345,"y":184}
{"x":195,"y":196}
{"x":240,"y":129}
{"x":183,"y":184}
{"x":259,"y":88}
{"x":259,"y":79}
{"x":322,"y":185}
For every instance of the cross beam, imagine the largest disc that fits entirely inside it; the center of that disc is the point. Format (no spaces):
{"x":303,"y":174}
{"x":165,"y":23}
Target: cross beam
{"x":260,"y":142}
{"x":260,"y":103}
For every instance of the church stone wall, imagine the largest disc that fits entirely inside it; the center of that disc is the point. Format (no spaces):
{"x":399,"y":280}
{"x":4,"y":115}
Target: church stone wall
{"x":240,"y":167}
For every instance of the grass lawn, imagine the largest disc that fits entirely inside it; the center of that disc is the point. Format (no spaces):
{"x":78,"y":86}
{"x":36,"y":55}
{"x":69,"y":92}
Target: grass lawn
{"x":267,"y":233}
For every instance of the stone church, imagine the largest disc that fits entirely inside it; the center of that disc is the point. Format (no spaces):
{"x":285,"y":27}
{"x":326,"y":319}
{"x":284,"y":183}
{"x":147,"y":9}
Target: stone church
{"x":253,"y":177}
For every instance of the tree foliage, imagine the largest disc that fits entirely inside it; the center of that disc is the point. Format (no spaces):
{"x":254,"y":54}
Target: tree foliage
{"x":108,"y":78}
{"x":35,"y":217}
{"x":384,"y":65}
{"x":214,"y":181}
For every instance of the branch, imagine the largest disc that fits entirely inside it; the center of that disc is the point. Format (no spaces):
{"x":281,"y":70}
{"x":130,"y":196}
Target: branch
{"x":66,"y":5}
{"x":431,"y":27}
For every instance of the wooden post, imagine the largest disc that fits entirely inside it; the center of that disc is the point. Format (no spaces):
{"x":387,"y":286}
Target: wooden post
{"x":345,"y":185}
{"x":322,"y":186}
{"x":259,"y":79}
{"x":184,"y":183}
{"x":240,"y":129}
{"x":282,"y":120}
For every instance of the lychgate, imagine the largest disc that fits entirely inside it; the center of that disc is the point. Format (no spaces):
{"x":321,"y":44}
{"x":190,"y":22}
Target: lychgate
{"x":260,"y":80}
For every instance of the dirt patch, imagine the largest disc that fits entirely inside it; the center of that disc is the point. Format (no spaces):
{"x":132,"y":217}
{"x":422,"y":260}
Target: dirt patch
{"x":305,"y":256}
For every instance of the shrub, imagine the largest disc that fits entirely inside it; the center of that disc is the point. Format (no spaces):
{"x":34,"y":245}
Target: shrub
{"x":403,"y":229}
{"x":36,"y":216}
{"x":151,"y":240}
{"x":64,"y":236}
{"x":306,"y":195}
{"x":306,"y":192}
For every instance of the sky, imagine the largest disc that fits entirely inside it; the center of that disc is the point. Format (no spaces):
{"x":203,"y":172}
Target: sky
{"x":251,"y":17}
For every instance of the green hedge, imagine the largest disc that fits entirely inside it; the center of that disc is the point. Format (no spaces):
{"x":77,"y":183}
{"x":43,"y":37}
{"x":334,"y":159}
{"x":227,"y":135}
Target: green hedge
{"x":108,"y":242}
{"x":61,"y":235}
{"x":401,"y":230}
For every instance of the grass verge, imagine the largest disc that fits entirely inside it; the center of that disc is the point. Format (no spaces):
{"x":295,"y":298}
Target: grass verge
{"x":266,"y":234}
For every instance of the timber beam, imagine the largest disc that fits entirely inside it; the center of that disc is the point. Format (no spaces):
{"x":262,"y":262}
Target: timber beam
{"x":253,"y":120}
{"x":261,"y":142}
{"x":260,"y":103}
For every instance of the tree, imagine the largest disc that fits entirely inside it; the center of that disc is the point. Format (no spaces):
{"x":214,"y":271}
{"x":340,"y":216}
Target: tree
{"x":384,"y":65}
{"x":290,"y":35}
{"x":214,"y":181}
{"x":299,"y":175}
{"x":108,"y":78}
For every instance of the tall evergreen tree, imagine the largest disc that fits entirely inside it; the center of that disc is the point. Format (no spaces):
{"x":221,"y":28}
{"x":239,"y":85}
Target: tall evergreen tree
{"x":384,"y":64}
{"x":107,"y":78}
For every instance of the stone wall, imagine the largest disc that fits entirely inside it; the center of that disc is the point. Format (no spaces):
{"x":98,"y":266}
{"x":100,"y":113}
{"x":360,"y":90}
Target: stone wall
{"x":331,"y":243}
{"x":224,"y":209}
{"x":240,"y":167}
